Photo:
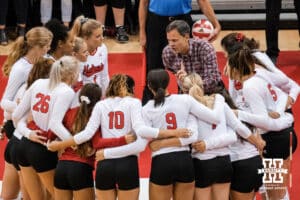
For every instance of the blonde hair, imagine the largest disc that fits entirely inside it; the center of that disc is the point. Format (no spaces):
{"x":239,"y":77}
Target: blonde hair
{"x":194,"y":84}
{"x":38,"y":36}
{"x":117,"y":86}
{"x":63,"y":70}
{"x":77,"y":44}
{"x":84,"y":27}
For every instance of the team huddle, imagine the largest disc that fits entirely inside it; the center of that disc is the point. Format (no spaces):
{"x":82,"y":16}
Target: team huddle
{"x":64,"y":116}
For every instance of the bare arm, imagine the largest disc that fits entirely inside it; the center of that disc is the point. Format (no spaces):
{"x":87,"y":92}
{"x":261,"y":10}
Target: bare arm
{"x":208,"y":11}
{"x":143,"y":10}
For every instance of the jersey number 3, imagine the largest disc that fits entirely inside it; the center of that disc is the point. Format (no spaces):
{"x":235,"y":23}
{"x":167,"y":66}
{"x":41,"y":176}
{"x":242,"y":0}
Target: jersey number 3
{"x":116,"y":120}
{"x":43,"y":103}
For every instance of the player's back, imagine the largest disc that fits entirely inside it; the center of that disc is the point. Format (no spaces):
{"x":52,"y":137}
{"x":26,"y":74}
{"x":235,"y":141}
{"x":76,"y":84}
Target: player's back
{"x":43,"y":100}
{"x":119,"y":116}
{"x":171,"y":115}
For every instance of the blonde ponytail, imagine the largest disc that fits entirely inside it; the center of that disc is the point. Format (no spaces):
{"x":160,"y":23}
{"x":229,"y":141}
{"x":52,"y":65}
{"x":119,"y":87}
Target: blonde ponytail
{"x":84,"y":27}
{"x":38,"y":36}
{"x":65,"y":70}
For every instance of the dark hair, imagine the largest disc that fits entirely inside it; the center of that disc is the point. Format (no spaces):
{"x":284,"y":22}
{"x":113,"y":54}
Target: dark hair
{"x":181,"y":26}
{"x":158,"y":81}
{"x":130,"y":84}
{"x":224,"y":92}
{"x":59,"y":31}
{"x":235,"y":41}
{"x":93,"y":92}
{"x":242,"y":62}
{"x":41,"y":69}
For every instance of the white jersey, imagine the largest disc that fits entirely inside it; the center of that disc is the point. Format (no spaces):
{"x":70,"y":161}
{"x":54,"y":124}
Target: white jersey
{"x":290,"y":86}
{"x":241,"y":149}
{"x":47,"y":107}
{"x":95,"y":69}
{"x":17,"y":77}
{"x":271,"y":96}
{"x":175,"y":112}
{"x":218,"y":137}
{"x":18,"y":99}
{"x":262,"y":97}
{"x":116,"y":117}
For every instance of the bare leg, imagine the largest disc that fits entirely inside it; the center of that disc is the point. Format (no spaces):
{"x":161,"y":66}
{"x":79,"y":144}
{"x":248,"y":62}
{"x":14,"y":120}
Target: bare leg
{"x":10,"y":184}
{"x":234,"y":195}
{"x":119,"y":15}
{"x":159,"y":192}
{"x":63,"y":194}
{"x":87,"y":194}
{"x":106,"y":194}
{"x":129,"y":194}
{"x":220,"y":191}
{"x":47,"y":178}
{"x":184,"y":191}
{"x":25,"y":195}
{"x":32,"y":183}
{"x":100,"y":12}
{"x":203,"y":193}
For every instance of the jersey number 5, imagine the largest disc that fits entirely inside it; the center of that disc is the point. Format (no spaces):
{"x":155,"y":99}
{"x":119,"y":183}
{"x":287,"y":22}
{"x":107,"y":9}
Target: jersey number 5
{"x":43,"y":103}
{"x":116,"y":120}
{"x":171,"y":121}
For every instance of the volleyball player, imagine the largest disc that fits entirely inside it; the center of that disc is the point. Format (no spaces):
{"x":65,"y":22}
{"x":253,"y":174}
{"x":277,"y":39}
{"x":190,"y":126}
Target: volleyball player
{"x":117,"y":175}
{"x":213,"y":169}
{"x":264,"y":66}
{"x":47,"y":100}
{"x":95,"y":69}
{"x":261,"y":96}
{"x":172,"y":171}
{"x":62,"y":42}
{"x":80,"y":49}
{"x":25,"y":52}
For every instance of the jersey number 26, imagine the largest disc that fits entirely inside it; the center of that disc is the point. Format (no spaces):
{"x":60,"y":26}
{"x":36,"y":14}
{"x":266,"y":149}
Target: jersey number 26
{"x":43,"y":103}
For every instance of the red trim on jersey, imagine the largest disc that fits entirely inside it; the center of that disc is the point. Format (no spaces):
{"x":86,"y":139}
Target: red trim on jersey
{"x":238,"y":85}
{"x":77,"y":86}
{"x":101,"y":143}
{"x":69,"y":153}
{"x":93,"y":52}
{"x":89,"y":71}
{"x":48,"y":134}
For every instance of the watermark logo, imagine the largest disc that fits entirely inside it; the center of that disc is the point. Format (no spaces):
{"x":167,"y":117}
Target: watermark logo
{"x":273,"y":171}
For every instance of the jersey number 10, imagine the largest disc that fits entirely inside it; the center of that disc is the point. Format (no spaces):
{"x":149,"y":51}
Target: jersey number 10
{"x":116,"y":120}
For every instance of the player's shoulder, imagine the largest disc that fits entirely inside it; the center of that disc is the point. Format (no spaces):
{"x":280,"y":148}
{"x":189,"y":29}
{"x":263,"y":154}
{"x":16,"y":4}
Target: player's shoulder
{"x":64,"y":89}
{"x":40,"y":83}
{"x":179,"y":97}
{"x":132,"y":100}
{"x":20,"y":66}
